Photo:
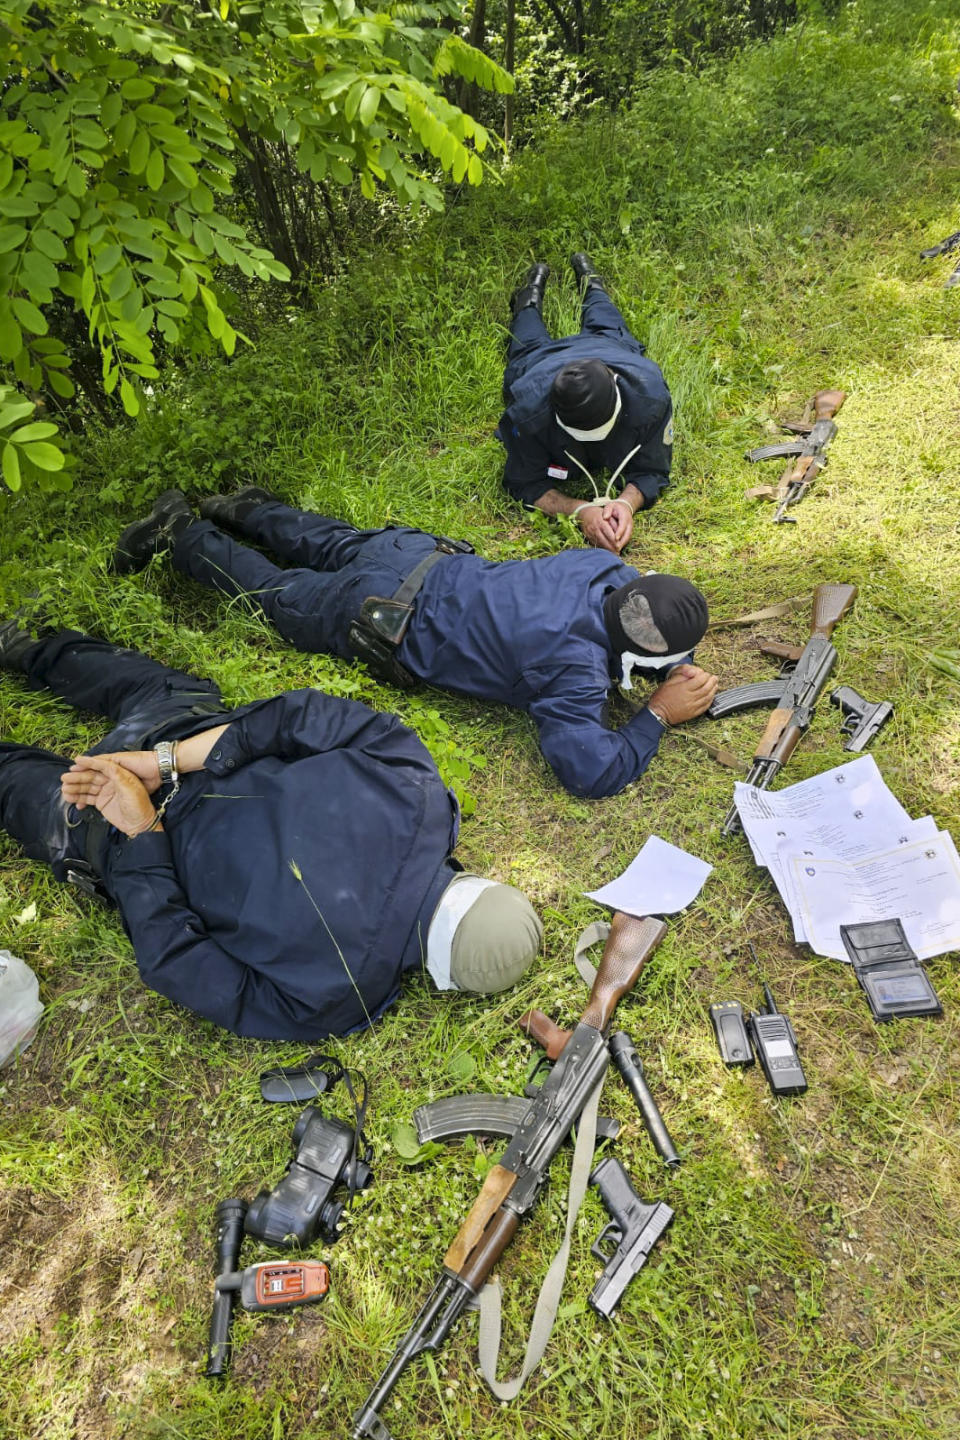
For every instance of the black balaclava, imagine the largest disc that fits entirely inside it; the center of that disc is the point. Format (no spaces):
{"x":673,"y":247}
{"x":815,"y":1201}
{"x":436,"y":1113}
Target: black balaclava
{"x":655,"y":616}
{"x":584,"y":397}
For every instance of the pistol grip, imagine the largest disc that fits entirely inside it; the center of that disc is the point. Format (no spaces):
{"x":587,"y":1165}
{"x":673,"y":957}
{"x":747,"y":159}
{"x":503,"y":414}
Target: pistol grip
{"x":545,"y":1032}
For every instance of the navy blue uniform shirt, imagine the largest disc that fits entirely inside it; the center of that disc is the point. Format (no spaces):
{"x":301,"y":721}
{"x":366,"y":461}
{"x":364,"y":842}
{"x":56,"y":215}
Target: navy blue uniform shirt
{"x":301,"y":866}
{"x":531,"y":633}
{"x":538,"y":448}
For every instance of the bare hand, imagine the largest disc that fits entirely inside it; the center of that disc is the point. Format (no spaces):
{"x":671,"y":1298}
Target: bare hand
{"x":120,"y":796}
{"x":619,"y":515}
{"x":142,"y":763}
{"x":596,"y":530}
{"x":686,"y":693}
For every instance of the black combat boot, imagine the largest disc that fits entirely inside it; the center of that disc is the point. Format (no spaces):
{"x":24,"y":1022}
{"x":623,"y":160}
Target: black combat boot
{"x":229,"y":510}
{"x":583,"y":268}
{"x":531,"y":291}
{"x":166,"y":522}
{"x":14,"y":644}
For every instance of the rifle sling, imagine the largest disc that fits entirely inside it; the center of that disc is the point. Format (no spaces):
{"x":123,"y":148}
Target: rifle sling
{"x":548,"y":1301}
{"x":772,"y":612}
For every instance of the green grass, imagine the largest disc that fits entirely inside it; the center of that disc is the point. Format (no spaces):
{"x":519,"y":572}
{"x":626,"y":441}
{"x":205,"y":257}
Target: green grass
{"x":760,"y":225}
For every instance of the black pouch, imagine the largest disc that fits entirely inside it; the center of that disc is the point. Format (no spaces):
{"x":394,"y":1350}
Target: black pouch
{"x":888,"y":971}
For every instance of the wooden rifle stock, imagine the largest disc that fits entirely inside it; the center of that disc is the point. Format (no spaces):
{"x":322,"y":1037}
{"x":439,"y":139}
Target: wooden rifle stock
{"x":830,"y":604}
{"x":826,"y":403}
{"x":486,"y":1232}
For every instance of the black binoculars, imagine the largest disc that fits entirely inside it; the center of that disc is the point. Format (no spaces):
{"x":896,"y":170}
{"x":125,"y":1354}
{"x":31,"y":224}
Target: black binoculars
{"x":301,"y":1206}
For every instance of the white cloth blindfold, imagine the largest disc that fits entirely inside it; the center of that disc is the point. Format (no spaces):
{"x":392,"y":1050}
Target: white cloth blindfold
{"x":630,"y":661}
{"x":455,"y":901}
{"x":602,"y":431}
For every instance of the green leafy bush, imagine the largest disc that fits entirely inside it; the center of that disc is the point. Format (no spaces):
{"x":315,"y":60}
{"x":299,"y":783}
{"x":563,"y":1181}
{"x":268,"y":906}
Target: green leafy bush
{"x":119,"y":141}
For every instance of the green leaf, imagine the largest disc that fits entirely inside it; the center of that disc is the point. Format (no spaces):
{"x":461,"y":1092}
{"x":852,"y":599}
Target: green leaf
{"x":120,"y":283}
{"x":39,"y":272}
{"x":155,"y":169}
{"x":188,"y":283}
{"x":29,"y":316}
{"x":124,"y":131}
{"x":49,"y":244}
{"x":40,"y":430}
{"x":106,"y":258}
{"x":18,"y":410}
{"x":369,"y":105}
{"x":44,"y":456}
{"x":76,"y":181}
{"x":201,"y":198}
{"x":129,"y":398}
{"x":183,"y":171}
{"x":462,"y":1067}
{"x":139,"y":152}
{"x":111,"y":112}
{"x":11,"y":236}
{"x":11,"y":467}
{"x":203,"y":237}
{"x":60,"y":384}
{"x":137,"y":88}
{"x":404,"y":1139}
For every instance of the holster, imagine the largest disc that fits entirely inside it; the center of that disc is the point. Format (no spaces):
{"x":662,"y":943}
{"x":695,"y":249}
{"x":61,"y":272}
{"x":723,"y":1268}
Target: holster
{"x":382,"y":623}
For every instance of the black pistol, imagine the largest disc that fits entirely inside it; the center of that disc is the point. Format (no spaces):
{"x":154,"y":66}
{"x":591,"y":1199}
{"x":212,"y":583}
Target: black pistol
{"x":861,"y":720}
{"x":634,"y":1229}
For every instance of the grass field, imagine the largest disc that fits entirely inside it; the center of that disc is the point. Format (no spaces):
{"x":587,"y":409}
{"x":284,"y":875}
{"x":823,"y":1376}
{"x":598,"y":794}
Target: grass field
{"x":760,"y":225}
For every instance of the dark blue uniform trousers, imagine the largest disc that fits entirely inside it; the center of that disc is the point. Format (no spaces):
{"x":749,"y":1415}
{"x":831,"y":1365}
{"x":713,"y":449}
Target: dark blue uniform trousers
{"x":528,"y":333}
{"x":146,"y":701}
{"x":333,"y":568}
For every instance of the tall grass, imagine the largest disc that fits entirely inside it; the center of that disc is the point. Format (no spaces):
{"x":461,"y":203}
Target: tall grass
{"x":759,"y":223}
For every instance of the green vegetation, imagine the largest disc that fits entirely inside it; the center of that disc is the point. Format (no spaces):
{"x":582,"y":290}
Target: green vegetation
{"x":119,"y":139}
{"x":759,"y":220}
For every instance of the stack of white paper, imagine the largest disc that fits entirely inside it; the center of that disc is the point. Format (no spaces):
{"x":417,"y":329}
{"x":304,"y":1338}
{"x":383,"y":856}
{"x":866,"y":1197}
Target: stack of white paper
{"x":841,"y":849}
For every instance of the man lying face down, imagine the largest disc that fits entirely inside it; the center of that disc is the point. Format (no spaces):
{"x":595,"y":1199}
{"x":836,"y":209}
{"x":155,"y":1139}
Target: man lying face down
{"x":551,"y":635}
{"x":278,"y":867}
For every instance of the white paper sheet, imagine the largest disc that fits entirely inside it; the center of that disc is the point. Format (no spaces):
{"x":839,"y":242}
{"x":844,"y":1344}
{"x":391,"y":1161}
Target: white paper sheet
{"x":856,"y":844}
{"x":848,"y":799}
{"x":919,"y":883}
{"x":660,"y":881}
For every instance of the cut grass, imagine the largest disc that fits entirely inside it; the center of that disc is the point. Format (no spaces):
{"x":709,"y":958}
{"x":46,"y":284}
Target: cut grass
{"x":760,"y":227}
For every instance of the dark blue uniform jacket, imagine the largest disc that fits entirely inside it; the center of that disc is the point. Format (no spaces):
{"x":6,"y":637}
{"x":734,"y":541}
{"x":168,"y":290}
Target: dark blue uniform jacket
{"x":297,"y":873}
{"x":537,"y":446}
{"x":530,"y":633}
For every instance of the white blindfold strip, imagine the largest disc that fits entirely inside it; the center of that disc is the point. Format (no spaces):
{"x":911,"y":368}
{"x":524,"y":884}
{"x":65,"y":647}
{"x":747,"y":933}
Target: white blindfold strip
{"x":630,"y":662}
{"x":455,"y":901}
{"x":602,"y":431}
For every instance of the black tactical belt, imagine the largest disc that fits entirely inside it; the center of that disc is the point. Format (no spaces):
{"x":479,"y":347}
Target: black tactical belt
{"x":382,"y":622}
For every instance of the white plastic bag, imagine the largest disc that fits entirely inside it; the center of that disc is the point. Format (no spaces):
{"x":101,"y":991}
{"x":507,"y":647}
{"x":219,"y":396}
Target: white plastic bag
{"x":20,"y":1007}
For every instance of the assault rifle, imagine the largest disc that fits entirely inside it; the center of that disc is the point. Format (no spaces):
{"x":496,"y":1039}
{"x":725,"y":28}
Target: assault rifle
{"x":794,"y":694}
{"x":511,"y":1188}
{"x":809,"y":455}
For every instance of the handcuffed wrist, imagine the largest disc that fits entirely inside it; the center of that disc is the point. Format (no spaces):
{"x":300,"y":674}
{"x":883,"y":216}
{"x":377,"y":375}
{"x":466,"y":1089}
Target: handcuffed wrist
{"x":657,"y":716}
{"x":153,"y":824}
{"x":587,"y":505}
{"x":166,"y":753}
